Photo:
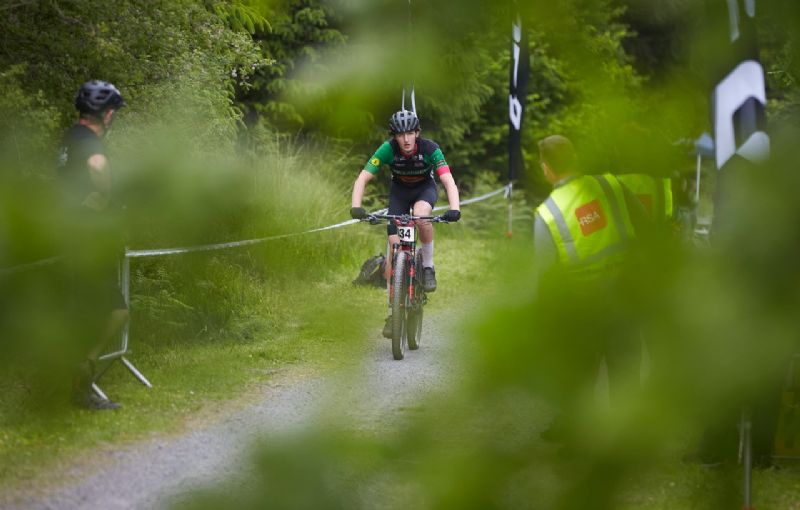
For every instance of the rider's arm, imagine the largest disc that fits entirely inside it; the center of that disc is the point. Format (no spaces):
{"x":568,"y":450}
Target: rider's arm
{"x":381,"y":156}
{"x":358,"y":187}
{"x":446,"y":177}
{"x":452,"y":190}
{"x":100,"y":177}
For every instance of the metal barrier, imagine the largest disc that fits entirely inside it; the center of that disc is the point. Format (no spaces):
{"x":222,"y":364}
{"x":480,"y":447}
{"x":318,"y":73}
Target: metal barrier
{"x":125,"y":280}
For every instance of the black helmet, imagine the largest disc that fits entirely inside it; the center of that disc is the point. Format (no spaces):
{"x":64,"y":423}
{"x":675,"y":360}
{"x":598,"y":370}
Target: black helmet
{"x":403,"y":122}
{"x":98,"y":96}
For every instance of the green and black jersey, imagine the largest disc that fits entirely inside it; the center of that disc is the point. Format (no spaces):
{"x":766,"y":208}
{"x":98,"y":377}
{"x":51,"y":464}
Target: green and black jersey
{"x":421,"y":165}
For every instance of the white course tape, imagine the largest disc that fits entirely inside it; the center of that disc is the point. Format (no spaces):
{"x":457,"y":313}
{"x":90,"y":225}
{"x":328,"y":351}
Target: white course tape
{"x":29,"y":265}
{"x":233,"y":244}
{"x":504,"y":190}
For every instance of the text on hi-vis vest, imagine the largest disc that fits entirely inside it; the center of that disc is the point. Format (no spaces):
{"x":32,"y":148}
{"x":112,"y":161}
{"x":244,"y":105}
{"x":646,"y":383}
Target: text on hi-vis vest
{"x":591,"y":217}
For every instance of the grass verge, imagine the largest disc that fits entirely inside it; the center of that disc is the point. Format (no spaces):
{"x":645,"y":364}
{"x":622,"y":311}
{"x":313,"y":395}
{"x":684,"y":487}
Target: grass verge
{"x":287,"y":326}
{"x":300,"y":324}
{"x":291,"y":328}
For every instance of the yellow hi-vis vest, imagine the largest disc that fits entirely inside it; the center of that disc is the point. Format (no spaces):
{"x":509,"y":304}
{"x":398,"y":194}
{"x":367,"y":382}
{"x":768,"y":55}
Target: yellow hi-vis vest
{"x":589,"y":222}
{"x":655,"y":194}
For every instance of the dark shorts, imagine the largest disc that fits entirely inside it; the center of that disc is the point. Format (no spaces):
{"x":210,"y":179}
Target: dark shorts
{"x":108,"y":285}
{"x":402,"y":198}
{"x":116,"y":301}
{"x":99,"y":290}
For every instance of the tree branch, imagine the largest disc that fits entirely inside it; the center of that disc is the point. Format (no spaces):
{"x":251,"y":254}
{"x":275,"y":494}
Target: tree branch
{"x":18,"y":4}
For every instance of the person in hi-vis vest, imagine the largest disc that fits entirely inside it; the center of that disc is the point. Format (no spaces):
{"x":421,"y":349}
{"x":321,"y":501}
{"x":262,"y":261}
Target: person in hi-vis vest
{"x":655,"y":194}
{"x":588,"y":222}
{"x":583,"y":238}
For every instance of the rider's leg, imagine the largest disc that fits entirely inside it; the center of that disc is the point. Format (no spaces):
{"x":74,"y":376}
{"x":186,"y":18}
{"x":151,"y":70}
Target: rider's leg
{"x":423,"y":208}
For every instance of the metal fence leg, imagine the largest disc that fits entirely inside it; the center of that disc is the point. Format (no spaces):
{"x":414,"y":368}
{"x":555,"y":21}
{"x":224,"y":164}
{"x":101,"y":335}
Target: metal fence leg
{"x":126,"y":292}
{"x":135,"y":372}
{"x":96,"y":389}
{"x":125,"y":283}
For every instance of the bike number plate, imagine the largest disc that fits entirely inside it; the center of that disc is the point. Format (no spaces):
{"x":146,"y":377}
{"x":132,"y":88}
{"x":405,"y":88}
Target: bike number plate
{"x":406,"y":234}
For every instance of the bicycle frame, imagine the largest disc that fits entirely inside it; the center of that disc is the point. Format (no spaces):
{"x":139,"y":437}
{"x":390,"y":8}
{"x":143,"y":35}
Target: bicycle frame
{"x":407,"y":231}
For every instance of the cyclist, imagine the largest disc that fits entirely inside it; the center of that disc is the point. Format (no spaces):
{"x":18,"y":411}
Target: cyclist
{"x":412,"y":160}
{"x":84,"y":175}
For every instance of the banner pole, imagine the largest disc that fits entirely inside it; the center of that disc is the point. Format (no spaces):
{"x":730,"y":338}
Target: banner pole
{"x":510,"y":231}
{"x":697,"y":179}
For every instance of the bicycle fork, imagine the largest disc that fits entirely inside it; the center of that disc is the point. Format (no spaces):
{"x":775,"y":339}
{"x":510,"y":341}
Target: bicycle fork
{"x":412,"y":274}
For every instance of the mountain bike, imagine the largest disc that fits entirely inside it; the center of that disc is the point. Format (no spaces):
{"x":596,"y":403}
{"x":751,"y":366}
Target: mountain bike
{"x":406,"y":293}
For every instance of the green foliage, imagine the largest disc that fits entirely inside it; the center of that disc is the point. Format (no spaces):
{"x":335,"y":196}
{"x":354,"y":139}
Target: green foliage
{"x":300,"y":32}
{"x":719,"y":326}
{"x":240,"y":17}
{"x":160,"y":55}
{"x":461,"y":82}
{"x":28,"y":125}
{"x":779,"y":52}
{"x":192,"y":376}
{"x":623,"y":83}
{"x":253,"y":197}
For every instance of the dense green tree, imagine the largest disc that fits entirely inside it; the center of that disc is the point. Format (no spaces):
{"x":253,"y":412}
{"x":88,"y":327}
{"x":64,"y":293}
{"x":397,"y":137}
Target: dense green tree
{"x":344,"y":76}
{"x":298,"y":32}
{"x":168,"y":58}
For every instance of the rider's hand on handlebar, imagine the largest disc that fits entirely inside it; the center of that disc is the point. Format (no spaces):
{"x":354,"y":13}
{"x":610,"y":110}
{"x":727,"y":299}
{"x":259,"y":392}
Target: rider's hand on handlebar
{"x":358,"y":213}
{"x":452,"y":215}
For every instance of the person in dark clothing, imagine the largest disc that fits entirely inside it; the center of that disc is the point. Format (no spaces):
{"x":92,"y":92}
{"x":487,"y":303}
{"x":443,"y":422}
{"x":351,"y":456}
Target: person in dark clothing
{"x":84,"y":176}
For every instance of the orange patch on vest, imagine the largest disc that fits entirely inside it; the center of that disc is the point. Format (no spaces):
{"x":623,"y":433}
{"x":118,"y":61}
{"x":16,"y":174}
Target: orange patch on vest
{"x":647,"y":203}
{"x":591,"y":217}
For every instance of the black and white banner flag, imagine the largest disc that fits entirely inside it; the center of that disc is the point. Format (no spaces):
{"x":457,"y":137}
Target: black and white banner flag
{"x":738,"y":102}
{"x":517,"y":92}
{"x":739,"y":98}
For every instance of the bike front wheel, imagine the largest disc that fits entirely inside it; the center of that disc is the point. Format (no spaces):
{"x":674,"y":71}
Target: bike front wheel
{"x":399,"y":300}
{"x":414,"y":313}
{"x":414,"y":326}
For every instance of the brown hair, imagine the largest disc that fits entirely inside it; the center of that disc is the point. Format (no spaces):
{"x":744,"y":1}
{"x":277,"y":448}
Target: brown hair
{"x":559,"y":154}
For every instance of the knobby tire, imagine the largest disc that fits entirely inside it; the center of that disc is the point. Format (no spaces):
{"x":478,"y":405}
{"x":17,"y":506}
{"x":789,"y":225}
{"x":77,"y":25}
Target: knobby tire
{"x":399,"y":298}
{"x":414,"y":314}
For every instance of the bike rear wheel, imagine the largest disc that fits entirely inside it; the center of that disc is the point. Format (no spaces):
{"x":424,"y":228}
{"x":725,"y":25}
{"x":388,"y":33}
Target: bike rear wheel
{"x":399,"y":300}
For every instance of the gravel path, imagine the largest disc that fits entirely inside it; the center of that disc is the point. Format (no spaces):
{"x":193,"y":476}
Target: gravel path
{"x":152,"y":473}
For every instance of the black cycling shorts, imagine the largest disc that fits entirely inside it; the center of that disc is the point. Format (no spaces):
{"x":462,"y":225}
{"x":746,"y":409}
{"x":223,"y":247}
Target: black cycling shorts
{"x":402,"y":198}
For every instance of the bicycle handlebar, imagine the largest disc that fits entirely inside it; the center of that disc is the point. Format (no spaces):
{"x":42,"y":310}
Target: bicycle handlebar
{"x":374,"y":217}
